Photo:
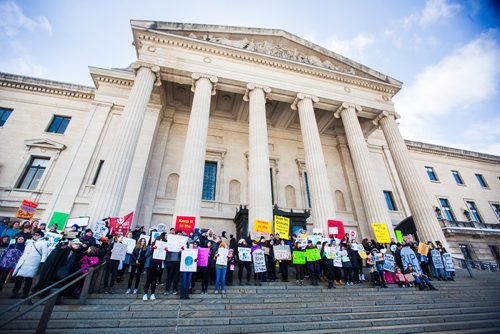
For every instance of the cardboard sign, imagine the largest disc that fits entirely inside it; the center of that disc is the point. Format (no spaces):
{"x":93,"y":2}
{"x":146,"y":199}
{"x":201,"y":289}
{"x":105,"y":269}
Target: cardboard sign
{"x":145,"y":237}
{"x":330,"y":253}
{"x":52,"y":240}
{"x":409,"y":257}
{"x":203,"y":254}
{"x":423,"y":249}
{"x":262,"y":226}
{"x":389,"y":263}
{"x":121,"y":224}
{"x":130,"y":244}
{"x":362,"y":254}
{"x":244,"y":254}
{"x":303,"y":242}
{"x":26,"y":210}
{"x":299,"y":257}
{"x":352,"y":234}
{"x":119,"y":251}
{"x":257,"y":235}
{"x":315,"y":239}
{"x":176,"y":242}
{"x":340,"y":228}
{"x":185,"y":224}
{"x":222,"y":256}
{"x":59,"y":219}
{"x":337,"y":262}
{"x":333,"y":231}
{"x":436,"y":259}
{"x":80,"y":221}
{"x":399,"y":236}
{"x":393,"y":248}
{"x":188,"y":263}
{"x":100,"y":230}
{"x":381,"y":233}
{"x":259,"y":261}
{"x":448,"y":262}
{"x":282,"y":226}
{"x":160,"y":253}
{"x":282,"y":252}
{"x":312,"y":254}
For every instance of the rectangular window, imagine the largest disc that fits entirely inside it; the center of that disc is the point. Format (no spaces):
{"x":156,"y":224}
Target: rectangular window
{"x":474,"y":212}
{"x":209,"y":180}
{"x":457,"y":177}
{"x":447,"y":209}
{"x":431,"y":174}
{"x":391,"y":205}
{"x":33,"y":173}
{"x":58,"y":124}
{"x":465,"y":251}
{"x":481,"y":181}
{"x":496,"y":208}
{"x":4,"y":114}
{"x":97,"y":172}
{"x":307,"y":190}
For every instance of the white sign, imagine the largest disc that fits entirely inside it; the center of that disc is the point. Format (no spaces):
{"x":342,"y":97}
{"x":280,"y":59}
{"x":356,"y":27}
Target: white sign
{"x":393,"y":248}
{"x":119,"y":251}
{"x":100,"y":230}
{"x":154,"y":235}
{"x":436,"y":259}
{"x":337,"y":261}
{"x":52,"y":240}
{"x":389,"y":263}
{"x":282,"y":252}
{"x":259,"y":261}
{"x":333,"y":230}
{"x":303,"y":242}
{"x":448,"y":262}
{"x":222,"y":256}
{"x":317,"y":231}
{"x":145,"y":237}
{"x":188,"y":257}
{"x":161,"y":228}
{"x":160,"y":253}
{"x":352,"y":234}
{"x":244,"y":254}
{"x":130,"y":244}
{"x":409,"y":257}
{"x":80,"y":221}
{"x":176,"y":242}
{"x":330,"y":253}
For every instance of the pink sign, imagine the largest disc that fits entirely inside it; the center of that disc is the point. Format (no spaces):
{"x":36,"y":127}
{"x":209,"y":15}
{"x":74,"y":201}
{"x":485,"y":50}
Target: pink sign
{"x":203,"y":257}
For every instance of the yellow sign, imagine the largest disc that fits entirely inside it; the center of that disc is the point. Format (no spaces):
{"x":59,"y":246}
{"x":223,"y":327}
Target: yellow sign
{"x":423,"y":249}
{"x":381,"y":233}
{"x":262,"y":226}
{"x":362,"y":254}
{"x":282,"y":226}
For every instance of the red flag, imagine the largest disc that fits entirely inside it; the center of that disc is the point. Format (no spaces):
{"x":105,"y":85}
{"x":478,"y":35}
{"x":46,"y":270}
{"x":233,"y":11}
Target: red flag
{"x":121,"y":224}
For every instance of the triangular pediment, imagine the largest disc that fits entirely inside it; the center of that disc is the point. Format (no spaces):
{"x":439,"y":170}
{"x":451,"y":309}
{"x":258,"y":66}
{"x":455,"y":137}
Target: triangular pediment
{"x":270,"y":42}
{"x":45,"y":143}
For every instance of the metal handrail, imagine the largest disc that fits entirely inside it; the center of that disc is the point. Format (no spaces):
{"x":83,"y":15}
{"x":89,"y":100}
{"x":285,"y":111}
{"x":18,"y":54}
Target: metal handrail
{"x":52,"y":298}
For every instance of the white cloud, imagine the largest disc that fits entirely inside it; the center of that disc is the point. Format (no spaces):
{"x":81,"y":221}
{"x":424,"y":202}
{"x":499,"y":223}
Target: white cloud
{"x":434,"y":11}
{"x":13,"y":20}
{"x":22,"y":65}
{"x":353,"y":48}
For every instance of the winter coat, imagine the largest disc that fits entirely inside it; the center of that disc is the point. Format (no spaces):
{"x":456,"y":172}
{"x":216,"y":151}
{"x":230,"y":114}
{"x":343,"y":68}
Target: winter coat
{"x":138,"y":254}
{"x":10,"y":256}
{"x":10,"y":232}
{"x":35,"y":253}
{"x":353,"y":256}
{"x":88,"y":262}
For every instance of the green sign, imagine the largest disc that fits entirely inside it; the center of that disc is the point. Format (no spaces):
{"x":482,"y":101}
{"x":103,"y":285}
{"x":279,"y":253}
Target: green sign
{"x":59,"y":219}
{"x":399,"y":235}
{"x":313,"y":254}
{"x":299,"y":257}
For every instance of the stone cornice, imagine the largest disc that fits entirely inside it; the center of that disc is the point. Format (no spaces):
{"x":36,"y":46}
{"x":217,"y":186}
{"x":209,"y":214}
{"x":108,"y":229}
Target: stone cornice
{"x":46,"y":86}
{"x":451,"y":152}
{"x":115,"y":77}
{"x":254,"y":57}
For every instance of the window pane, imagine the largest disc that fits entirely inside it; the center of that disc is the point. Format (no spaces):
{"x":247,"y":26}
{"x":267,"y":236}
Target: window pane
{"x":209,"y":179}
{"x":481,"y":181}
{"x":4,"y":114}
{"x":307,"y":190}
{"x":33,"y":173}
{"x":446,"y":209}
{"x":389,"y":200}
{"x":457,"y":177}
{"x":40,"y":162}
{"x":59,"y":124}
{"x":473,"y":211}
{"x":496,"y":208}
{"x":431,"y":174}
{"x":37,"y":178}
{"x":54,"y":126}
{"x":64,"y":125}
{"x":28,"y":177}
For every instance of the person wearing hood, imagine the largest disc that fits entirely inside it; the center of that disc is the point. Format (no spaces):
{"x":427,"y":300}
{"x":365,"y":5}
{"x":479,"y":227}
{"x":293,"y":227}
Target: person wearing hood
{"x":35,"y":253}
{"x":87,"y":239}
{"x":10,"y":257}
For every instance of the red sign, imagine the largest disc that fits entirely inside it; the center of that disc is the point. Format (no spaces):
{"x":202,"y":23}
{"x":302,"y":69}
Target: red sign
{"x":121,"y":224}
{"x":27,"y":210}
{"x":185,"y":224}
{"x":339,"y":225}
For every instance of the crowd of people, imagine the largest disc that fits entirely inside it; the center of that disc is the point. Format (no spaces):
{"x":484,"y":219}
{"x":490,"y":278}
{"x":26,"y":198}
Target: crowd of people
{"x":25,"y":253}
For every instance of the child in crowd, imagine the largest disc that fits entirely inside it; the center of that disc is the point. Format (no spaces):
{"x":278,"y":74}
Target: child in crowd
{"x":401,"y":279}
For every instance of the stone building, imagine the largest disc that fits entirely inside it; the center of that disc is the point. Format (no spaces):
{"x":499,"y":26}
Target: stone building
{"x":213,"y":122}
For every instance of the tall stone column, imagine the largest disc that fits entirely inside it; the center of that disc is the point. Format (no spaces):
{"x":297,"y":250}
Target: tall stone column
{"x":422,"y":211}
{"x":260,"y":206}
{"x":372,"y":197}
{"x":111,"y":185}
{"x":322,"y":205}
{"x":189,"y":193}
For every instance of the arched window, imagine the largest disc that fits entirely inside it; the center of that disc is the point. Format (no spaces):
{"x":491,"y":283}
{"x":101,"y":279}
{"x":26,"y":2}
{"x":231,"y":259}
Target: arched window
{"x":172,"y":183}
{"x":234,"y":191}
{"x":339,"y":199}
{"x":291,"y":200}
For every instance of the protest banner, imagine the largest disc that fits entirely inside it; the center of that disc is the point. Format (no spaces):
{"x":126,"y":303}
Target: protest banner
{"x":436,"y":259}
{"x":340,"y":228}
{"x":381,"y":233}
{"x":145,"y":237}
{"x":409,"y":257}
{"x":176,"y":242}
{"x":100,"y":230}
{"x":352,"y":234}
{"x":52,"y":240}
{"x":59,"y":219}
{"x":282,"y":226}
{"x":121,"y":224}
{"x":303,"y":242}
{"x":317,"y":231}
{"x":448,"y":262}
{"x":265,"y":249}
{"x":80,"y":221}
{"x":26,"y":210}
{"x":185,"y":224}
{"x":262,"y":226}
{"x":222,"y":256}
{"x":203,"y":254}
{"x":299,"y":257}
{"x":315,"y":239}
{"x":423,"y":249}
{"x":337,"y":262}
{"x":399,"y":235}
{"x":130,"y":244}
{"x":333,"y":231}
{"x":188,"y":257}
{"x":330,"y":253}
{"x":119,"y":251}
{"x":393,"y":248}
{"x":282,"y":252}
{"x":244,"y":254}
{"x":160,"y":253}
{"x":257,"y":235}
{"x":389,"y":263}
{"x":259,"y":261}
{"x":312,"y":254}
{"x":362,"y":254}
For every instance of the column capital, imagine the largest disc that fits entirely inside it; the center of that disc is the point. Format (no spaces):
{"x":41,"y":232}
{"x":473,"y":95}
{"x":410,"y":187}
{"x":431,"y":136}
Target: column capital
{"x":346,"y":106}
{"x":252,"y":86}
{"x":301,"y":97}
{"x":196,"y":76}
{"x":153,"y":68}
{"x":383,"y":114}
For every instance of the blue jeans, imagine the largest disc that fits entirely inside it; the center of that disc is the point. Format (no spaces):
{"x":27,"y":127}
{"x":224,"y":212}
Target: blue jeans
{"x":220,"y":278}
{"x":185,"y":282}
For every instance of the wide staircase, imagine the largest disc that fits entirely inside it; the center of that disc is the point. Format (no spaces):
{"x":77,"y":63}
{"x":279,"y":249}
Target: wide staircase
{"x":463,"y":306}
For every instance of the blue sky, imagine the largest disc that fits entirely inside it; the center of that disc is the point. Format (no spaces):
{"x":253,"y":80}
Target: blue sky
{"x":446,"y":52}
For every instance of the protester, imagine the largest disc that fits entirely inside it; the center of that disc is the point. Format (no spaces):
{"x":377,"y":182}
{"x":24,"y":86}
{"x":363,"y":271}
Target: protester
{"x":220,"y":271}
{"x":152,"y":266}
{"x":87,"y":239}
{"x":4,"y":243}
{"x":11,"y":230}
{"x":187,"y":276}
{"x":10,"y":257}
{"x":420,"y":279}
{"x":283,"y":264}
{"x":299,"y":268}
{"x":172,"y":263}
{"x":328,"y":263}
{"x":313,"y":266}
{"x":25,"y":230}
{"x":401,"y":279}
{"x":111,"y":266}
{"x":346,"y":264}
{"x":271,"y":263}
{"x":243,"y":265}
{"x":137,"y":261}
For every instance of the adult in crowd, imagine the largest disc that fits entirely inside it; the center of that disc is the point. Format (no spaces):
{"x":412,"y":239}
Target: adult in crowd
{"x":87,"y":239}
{"x":153,"y":267}
{"x":25,"y":230}
{"x":111,"y":266}
{"x":9,"y":258}
{"x":11,"y":230}
{"x":137,"y":261}
{"x":243,"y":265}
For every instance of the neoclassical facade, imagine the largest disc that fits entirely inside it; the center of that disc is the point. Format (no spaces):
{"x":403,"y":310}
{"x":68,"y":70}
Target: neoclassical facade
{"x":211,"y":119}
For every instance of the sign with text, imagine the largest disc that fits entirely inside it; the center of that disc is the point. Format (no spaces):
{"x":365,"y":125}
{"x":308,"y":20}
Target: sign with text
{"x":203,"y":254}
{"x":176,"y":242}
{"x":26,"y":210}
{"x":121,"y":224}
{"x":330,"y":253}
{"x":282,"y":226}
{"x":257,"y":235}
{"x":80,"y":221}
{"x":100,"y":230}
{"x":448,"y":262}
{"x":262,"y":226}
{"x":423,"y":249}
{"x":299,"y":257}
{"x":244,"y":254}
{"x":130,"y":244}
{"x":119,"y":251}
{"x":59,"y":219}
{"x":399,"y":236}
{"x":436,"y":259}
{"x":185,"y":224}
{"x":259,"y":261}
{"x":362,"y":254}
{"x":409,"y":257}
{"x":160,"y":253}
{"x":340,"y":228}
{"x":52,"y":240}
{"x":389,"y":263}
{"x":188,"y":263}
{"x":222,"y":256}
{"x":303,"y":242}
{"x":381,"y":233}
{"x":282,"y":252}
{"x":313,"y":254}
{"x":352,"y":234}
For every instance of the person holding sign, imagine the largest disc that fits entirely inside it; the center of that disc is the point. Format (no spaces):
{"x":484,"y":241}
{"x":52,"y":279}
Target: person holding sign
{"x":137,"y":260}
{"x":153,"y":267}
{"x":221,"y":267}
{"x":313,"y":262}
{"x":376,"y":263}
{"x":189,"y":258}
{"x":112,"y":263}
{"x":299,"y":260}
{"x":244,"y":259}
{"x":327,"y":255}
{"x":283,"y":264}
